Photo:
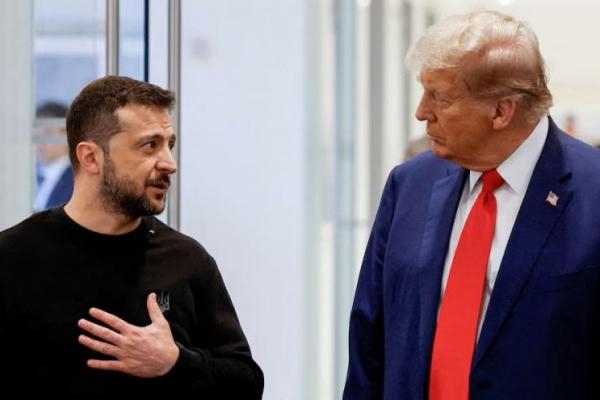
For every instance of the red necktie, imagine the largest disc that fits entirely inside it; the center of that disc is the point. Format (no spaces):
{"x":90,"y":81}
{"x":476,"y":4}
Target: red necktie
{"x":456,"y":331}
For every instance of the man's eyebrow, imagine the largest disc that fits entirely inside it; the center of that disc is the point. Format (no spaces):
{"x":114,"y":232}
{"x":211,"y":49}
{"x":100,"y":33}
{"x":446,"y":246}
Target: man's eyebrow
{"x":156,"y":136}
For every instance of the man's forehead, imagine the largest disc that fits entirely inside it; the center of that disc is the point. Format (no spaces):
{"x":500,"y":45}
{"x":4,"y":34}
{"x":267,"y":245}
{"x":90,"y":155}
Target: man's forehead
{"x":444,"y":80}
{"x":140,"y":110}
{"x":135,"y":115}
{"x":438,"y":76}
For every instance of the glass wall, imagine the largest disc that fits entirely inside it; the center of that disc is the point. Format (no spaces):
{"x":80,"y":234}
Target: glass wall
{"x":16,"y":110}
{"x":69,"y":51}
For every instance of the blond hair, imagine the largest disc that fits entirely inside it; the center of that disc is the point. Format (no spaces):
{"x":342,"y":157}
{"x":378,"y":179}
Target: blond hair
{"x":494,"y":54}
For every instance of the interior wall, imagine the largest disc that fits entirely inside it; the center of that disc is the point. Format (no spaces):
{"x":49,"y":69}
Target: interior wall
{"x":16,"y":110}
{"x":242,"y":168}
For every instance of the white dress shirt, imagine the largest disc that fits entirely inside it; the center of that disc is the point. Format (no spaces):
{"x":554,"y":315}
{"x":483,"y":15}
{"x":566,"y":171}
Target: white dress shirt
{"x":516,"y":171}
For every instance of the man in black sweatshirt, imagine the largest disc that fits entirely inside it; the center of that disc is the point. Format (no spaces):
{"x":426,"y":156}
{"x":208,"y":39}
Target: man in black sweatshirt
{"x":99,"y":298}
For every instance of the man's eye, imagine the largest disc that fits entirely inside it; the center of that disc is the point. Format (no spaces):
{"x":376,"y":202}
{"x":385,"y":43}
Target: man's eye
{"x":442,"y":101}
{"x":149,"y":146}
{"x":171,"y":145}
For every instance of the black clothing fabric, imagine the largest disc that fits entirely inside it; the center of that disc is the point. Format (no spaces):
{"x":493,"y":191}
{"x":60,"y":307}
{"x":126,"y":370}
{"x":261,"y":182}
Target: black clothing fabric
{"x":52,"y":271}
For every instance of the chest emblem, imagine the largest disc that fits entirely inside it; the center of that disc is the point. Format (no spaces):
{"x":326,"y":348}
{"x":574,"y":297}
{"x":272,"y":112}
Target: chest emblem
{"x":162,"y":298}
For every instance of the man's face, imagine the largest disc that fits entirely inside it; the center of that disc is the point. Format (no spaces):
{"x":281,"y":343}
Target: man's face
{"x":137,"y":168}
{"x":458,"y":125}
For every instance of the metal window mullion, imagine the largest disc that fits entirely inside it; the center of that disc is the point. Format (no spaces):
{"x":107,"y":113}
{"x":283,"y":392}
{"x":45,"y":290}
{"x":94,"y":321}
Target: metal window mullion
{"x":174,"y":67}
{"x":112,"y":37}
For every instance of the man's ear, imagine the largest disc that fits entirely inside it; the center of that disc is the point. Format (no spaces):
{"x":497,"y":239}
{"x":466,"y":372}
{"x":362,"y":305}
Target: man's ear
{"x":504,"y":113}
{"x":90,"y":157}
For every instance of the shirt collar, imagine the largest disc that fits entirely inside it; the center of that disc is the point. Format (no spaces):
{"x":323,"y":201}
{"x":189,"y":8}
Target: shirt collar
{"x":517,"y":169}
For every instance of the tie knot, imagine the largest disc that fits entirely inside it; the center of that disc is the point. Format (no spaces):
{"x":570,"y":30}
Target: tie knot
{"x":491,"y":181}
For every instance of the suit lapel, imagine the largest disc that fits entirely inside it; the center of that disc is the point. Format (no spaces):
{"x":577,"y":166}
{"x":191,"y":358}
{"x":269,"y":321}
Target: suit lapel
{"x":441,"y":210}
{"x":534,"y":222}
{"x":62,"y":190}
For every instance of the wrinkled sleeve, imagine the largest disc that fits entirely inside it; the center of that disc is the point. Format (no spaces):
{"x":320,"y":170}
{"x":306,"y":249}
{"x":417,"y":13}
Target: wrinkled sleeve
{"x":364,"y":378}
{"x":223,"y":368}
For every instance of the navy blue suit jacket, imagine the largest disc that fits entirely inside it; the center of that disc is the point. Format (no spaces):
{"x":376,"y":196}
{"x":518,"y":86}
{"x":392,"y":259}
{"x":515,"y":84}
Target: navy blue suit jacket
{"x":541,"y":333}
{"x":61,"y":193}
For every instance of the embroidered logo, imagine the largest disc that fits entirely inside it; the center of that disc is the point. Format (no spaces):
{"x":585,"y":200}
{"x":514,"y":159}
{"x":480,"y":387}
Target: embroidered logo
{"x":162,"y":298}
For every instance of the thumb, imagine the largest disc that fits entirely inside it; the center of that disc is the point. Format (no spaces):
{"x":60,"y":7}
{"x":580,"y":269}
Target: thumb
{"x":154,"y":311}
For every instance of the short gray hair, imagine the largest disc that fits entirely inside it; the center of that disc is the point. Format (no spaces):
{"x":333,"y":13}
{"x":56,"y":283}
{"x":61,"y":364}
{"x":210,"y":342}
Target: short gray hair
{"x":495,"y":55}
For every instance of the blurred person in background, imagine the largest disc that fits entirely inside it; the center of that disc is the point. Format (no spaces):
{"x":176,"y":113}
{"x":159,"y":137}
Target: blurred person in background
{"x":416,"y":147}
{"x":54,"y":176}
{"x":571,"y":125}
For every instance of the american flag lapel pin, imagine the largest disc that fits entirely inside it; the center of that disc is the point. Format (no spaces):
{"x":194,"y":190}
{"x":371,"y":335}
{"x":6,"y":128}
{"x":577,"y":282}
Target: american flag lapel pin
{"x":552,"y":198}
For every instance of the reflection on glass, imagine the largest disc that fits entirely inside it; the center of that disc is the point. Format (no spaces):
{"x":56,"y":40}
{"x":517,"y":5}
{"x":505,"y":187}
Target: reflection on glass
{"x":69,"y":52}
{"x":69,"y":47}
{"x":54,"y":177}
{"x":132,"y":24}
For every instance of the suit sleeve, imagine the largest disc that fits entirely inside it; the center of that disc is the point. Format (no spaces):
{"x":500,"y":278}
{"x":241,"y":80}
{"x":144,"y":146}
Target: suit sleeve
{"x":222,"y":367}
{"x":364,"y":378}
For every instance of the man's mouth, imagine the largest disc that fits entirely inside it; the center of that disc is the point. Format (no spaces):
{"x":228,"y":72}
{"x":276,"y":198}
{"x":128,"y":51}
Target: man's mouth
{"x":160,"y":183}
{"x":434,"y":138}
{"x":163,"y":186}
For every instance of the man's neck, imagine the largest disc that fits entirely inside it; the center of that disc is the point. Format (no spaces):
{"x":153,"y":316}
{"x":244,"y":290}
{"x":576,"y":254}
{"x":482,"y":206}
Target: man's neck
{"x":93,"y":215}
{"x":505,"y":144}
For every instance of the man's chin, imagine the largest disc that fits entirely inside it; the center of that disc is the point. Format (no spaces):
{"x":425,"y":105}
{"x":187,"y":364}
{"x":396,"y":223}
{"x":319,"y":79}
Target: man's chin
{"x":152,"y":205}
{"x":439,"y":150}
{"x":158,"y":206}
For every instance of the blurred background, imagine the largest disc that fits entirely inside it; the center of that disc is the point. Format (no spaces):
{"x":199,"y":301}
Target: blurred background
{"x":290,"y":115}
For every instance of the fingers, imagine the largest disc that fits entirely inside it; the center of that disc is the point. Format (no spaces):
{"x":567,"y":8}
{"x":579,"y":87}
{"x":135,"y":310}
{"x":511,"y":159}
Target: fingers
{"x":100,"y":332}
{"x":106,"y":365}
{"x":111,"y":320}
{"x":147,"y":351}
{"x":154,"y":311}
{"x":98,"y":346}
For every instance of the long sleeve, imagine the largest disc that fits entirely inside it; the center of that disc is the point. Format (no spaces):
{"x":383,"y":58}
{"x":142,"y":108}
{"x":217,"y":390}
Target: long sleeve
{"x":366,"y":350}
{"x":222,"y":366}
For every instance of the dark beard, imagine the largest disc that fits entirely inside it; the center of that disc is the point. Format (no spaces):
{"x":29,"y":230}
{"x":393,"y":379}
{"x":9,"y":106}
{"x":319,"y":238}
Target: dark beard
{"x":119,"y":193}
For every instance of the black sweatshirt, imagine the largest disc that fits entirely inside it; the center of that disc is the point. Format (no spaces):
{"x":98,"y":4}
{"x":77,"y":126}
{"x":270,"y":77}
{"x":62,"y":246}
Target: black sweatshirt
{"x":52,"y":271}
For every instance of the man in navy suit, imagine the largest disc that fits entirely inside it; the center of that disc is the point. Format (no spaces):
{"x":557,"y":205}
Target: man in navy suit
{"x":54,"y":176}
{"x":535,"y":331}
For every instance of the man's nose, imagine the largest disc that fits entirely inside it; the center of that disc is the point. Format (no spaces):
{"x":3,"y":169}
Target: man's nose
{"x":423,"y":112}
{"x":166,"y":162}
